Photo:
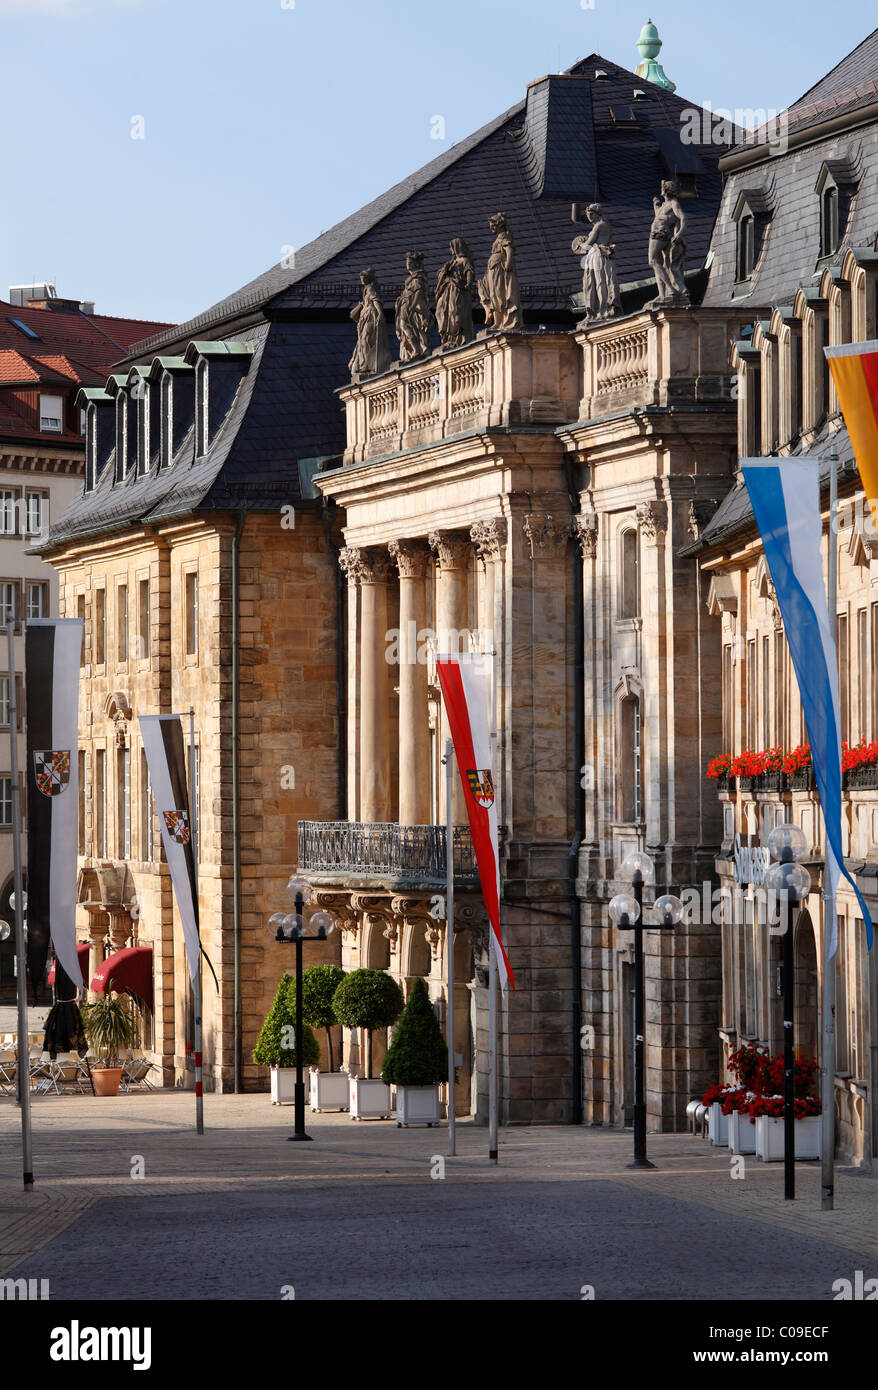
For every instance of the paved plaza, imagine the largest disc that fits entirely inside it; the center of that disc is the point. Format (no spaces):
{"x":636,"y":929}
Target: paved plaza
{"x":363,"y":1212}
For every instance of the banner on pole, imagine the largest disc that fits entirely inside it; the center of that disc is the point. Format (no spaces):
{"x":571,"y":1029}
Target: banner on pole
{"x":854,"y":368}
{"x":52,"y":651}
{"x":785,"y":494}
{"x":464,"y":684}
{"x":165,"y":758}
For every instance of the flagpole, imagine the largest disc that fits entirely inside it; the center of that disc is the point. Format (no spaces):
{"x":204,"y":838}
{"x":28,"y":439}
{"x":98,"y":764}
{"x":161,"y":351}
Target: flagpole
{"x":194,"y":829}
{"x":449,"y":937}
{"x":827,"y":1079}
{"x":492,"y":950}
{"x":23,"y":1067}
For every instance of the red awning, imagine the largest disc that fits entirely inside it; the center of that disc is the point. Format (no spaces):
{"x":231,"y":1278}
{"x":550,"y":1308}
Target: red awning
{"x":82,"y":957}
{"x":129,"y":969}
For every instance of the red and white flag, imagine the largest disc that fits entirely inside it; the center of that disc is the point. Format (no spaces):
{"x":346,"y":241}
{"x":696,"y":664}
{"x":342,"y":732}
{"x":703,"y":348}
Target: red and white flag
{"x":465,"y":690}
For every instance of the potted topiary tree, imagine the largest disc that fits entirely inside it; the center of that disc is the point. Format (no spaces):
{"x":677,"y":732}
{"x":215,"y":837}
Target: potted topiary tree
{"x":368,"y":999}
{"x":110,"y":1026}
{"x":276,"y":1044}
{"x":329,"y":1089}
{"x":417,"y":1061}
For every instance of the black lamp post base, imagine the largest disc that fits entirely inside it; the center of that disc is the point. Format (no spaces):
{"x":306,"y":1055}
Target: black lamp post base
{"x":640,"y":1163}
{"x":292,"y":1137}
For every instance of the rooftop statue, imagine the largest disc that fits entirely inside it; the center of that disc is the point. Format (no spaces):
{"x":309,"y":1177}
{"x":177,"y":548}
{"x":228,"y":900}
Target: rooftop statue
{"x":600,"y":288}
{"x":372,"y":353}
{"x":667,"y":249}
{"x":454,"y":296}
{"x":498,"y":287}
{"x":413,"y":316}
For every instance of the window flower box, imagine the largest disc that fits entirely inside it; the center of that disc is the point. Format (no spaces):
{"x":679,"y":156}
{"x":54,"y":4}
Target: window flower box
{"x":748,"y":784}
{"x":773,"y":780}
{"x":863,"y":777}
{"x":802,"y":780}
{"x":769,"y":1138}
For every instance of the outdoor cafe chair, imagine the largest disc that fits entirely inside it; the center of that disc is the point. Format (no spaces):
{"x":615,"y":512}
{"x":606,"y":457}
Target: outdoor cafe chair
{"x":8,"y":1065}
{"x":135,"y":1072}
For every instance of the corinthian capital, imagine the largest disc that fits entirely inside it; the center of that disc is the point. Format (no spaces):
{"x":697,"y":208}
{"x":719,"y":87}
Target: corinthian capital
{"x":488,"y":538}
{"x":585,"y":529}
{"x":452,"y":548}
{"x":546,"y":533}
{"x":652,"y":518}
{"x":366,"y":565}
{"x":411,"y":558}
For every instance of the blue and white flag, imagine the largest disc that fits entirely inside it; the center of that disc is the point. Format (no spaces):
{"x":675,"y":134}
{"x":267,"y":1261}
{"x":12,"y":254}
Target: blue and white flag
{"x":785,"y":494}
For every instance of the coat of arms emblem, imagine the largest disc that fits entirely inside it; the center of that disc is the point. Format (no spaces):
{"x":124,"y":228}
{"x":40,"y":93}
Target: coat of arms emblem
{"x":178,"y":825}
{"x":52,"y":770}
{"x":481,"y":784}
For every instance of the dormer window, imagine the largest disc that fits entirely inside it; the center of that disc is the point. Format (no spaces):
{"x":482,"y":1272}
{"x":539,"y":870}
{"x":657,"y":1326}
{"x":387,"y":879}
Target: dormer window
{"x":143,"y":425}
{"x":835,"y":189}
{"x":201,"y":408}
{"x":167,"y":407}
{"x":126,"y":435}
{"x":52,"y":414}
{"x":752,"y":216}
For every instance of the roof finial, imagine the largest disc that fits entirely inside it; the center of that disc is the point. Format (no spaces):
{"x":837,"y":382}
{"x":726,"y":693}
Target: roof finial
{"x":649,"y":46}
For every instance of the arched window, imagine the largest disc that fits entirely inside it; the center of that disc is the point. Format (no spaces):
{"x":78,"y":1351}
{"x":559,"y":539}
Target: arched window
{"x":629,"y":574}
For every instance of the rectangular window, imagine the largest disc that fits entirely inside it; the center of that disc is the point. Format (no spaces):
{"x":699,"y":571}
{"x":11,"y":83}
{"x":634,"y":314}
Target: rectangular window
{"x":6,"y":803}
{"x":100,"y":632}
{"x":82,"y":801}
{"x":728,"y":699}
{"x":191,"y":614}
{"x":36,"y":603}
{"x":143,"y":617}
{"x":100,"y":806}
{"x":5,"y":711}
{"x":122,"y":622}
{"x":844,"y":676}
{"x":145,"y":810}
{"x":766,"y":694}
{"x":8,"y":605}
{"x":36,"y":512}
{"x":52,"y":413}
{"x":842,"y":1037}
{"x":123,"y":803}
{"x":751,"y":696}
{"x":7,"y":513}
{"x":862,"y":673}
{"x":780,"y":690}
{"x":80,"y":613}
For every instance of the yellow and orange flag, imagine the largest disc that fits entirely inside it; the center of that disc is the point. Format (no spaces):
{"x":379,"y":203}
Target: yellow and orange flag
{"x":854,"y":368}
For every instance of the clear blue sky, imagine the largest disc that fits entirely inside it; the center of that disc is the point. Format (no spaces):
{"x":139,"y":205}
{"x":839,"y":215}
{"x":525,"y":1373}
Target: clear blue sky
{"x":266,"y":121}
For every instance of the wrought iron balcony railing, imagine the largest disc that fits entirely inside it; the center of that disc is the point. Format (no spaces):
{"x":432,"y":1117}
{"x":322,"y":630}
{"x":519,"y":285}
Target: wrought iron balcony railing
{"x":408,"y":853}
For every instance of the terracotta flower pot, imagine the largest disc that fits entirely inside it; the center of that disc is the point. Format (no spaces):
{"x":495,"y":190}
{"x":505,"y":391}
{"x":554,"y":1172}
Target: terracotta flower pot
{"x":107,"y":1080}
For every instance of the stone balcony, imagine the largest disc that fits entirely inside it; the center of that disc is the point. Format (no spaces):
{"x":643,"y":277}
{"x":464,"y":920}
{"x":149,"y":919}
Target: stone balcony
{"x":499,"y":379}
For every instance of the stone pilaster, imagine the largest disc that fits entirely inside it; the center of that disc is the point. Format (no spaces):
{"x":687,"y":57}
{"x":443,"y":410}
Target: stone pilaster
{"x":372,"y":570}
{"x":453,"y":550}
{"x":412,"y":558}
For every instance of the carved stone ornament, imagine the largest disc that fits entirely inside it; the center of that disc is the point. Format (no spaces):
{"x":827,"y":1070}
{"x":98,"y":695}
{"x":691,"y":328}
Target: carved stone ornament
{"x":488,"y":538}
{"x":601,"y":296}
{"x":699,"y":515}
{"x":652,"y":518}
{"x":366,"y":565}
{"x":118,"y":709}
{"x":585,"y":529}
{"x":546,"y":532}
{"x":454,"y":296}
{"x":412,"y":557}
{"x":413,"y":317}
{"x":667,"y":249}
{"x":498,"y":287}
{"x":453,"y":549}
{"x":372,"y":353}
{"x":339,"y":904}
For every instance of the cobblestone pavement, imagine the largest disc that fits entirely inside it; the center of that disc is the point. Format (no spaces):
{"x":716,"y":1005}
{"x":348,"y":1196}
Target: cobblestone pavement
{"x":240,"y":1213}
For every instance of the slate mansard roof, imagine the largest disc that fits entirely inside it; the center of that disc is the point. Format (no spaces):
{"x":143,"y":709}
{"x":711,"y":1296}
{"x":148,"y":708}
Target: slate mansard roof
{"x":595,"y":133}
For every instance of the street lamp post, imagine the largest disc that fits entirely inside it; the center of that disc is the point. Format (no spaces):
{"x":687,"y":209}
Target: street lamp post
{"x":791,"y":882}
{"x":291,"y":927}
{"x":626,"y":913}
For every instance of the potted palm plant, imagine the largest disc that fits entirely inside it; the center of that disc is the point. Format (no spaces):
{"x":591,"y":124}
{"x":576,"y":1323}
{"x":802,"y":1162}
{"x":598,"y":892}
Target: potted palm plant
{"x":110,"y":1026}
{"x":417,"y":1061}
{"x":368,"y":999}
{"x":329,"y":1089}
{"x":276,"y":1044}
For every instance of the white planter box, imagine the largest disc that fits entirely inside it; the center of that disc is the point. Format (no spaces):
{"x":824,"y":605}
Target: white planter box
{"x":329,"y":1090}
{"x":417,"y":1105}
{"x":742,"y":1133}
{"x":283,"y":1085}
{"x":769,"y":1138}
{"x":369,"y":1099}
{"x":718,"y":1125}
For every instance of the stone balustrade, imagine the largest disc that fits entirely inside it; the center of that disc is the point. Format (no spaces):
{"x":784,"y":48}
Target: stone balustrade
{"x":500,"y":379}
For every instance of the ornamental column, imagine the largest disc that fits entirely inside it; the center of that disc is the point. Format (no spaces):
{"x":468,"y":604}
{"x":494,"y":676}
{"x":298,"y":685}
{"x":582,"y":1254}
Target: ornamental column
{"x":453,"y":552}
{"x":489,"y":543}
{"x":412,"y":557}
{"x":372,"y":570}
